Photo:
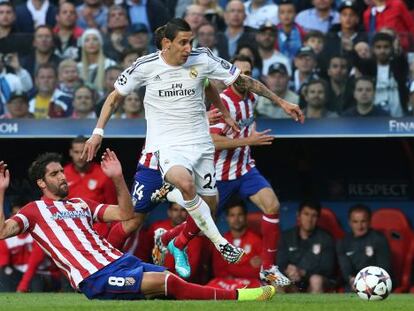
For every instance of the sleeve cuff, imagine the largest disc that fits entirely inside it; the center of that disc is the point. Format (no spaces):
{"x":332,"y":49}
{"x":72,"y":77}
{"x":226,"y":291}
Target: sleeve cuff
{"x":99,"y":212}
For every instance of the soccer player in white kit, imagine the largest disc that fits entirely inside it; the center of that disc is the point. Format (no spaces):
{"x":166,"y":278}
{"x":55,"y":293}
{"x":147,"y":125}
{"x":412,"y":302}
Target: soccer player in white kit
{"x":177,"y":127}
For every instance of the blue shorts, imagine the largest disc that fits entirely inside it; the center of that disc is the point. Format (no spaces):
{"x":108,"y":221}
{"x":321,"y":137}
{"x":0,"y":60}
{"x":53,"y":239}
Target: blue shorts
{"x":245,"y":186}
{"x":119,"y":280}
{"x":146,"y":181}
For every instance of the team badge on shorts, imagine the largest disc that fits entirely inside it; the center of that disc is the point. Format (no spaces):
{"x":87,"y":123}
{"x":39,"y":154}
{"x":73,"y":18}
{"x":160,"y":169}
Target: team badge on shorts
{"x":129,"y":281}
{"x":193,"y":73}
{"x":122,"y":80}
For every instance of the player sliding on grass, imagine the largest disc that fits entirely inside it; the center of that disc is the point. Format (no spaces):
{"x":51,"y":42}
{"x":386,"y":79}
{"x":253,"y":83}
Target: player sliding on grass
{"x":63,"y":229}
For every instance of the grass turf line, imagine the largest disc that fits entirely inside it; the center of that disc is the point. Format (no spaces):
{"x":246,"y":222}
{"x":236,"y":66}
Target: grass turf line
{"x":293,"y":302}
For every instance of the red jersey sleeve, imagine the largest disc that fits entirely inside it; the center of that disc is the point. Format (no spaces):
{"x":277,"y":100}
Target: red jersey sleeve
{"x":97,"y":210}
{"x":24,"y":218}
{"x":4,"y":254}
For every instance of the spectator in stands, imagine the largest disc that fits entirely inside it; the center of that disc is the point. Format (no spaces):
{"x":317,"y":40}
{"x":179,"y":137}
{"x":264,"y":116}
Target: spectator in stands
{"x":133,"y":106}
{"x":153,"y":13}
{"x":362,"y":247}
{"x":43,"y":51}
{"x":93,"y":62}
{"x":129,"y":56}
{"x":266,"y":40}
{"x":235,"y":32}
{"x":11,"y":64}
{"x":41,"y":104}
{"x":277,"y":81}
{"x":342,"y":38}
{"x":10,"y":39}
{"x":390,"y":70}
{"x":307,"y":253}
{"x":364,"y":94}
{"x":111,"y":74}
{"x":9,"y":83}
{"x":68,"y":81}
{"x":305,"y":63}
{"x":194,"y":16}
{"x":197,"y":248}
{"x":35,"y":13}
{"x":86,"y":179}
{"x":213,"y":13}
{"x":17,"y":107}
{"x":84,"y":103}
{"x":244,"y":273}
{"x":92,"y":14}
{"x":67,"y":32}
{"x":138,"y":38}
{"x":249,"y":50}
{"x":114,"y":40}
{"x":259,"y":12}
{"x":316,"y":40}
{"x":339,"y":93}
{"x":315,"y":97}
{"x":392,"y":14}
{"x":321,"y":17}
{"x":207,"y":37}
{"x":289,"y":34}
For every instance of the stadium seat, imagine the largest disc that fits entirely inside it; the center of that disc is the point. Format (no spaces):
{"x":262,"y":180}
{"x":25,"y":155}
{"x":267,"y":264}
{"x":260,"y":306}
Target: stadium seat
{"x":254,"y":221}
{"x":329,"y":223}
{"x":394,"y":224}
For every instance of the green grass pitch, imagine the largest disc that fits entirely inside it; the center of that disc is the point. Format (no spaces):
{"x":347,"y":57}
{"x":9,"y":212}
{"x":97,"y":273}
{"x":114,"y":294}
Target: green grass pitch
{"x":297,"y":302}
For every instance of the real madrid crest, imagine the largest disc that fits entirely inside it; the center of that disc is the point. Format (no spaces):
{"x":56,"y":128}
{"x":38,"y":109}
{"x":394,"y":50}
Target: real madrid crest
{"x":193,"y":73}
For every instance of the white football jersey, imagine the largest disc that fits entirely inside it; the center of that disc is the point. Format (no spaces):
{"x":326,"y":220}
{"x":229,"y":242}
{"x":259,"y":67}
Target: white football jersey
{"x":174,"y":96}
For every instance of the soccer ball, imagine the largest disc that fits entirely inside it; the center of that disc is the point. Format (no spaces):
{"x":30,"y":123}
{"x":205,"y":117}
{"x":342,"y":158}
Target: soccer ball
{"x":373,"y":283}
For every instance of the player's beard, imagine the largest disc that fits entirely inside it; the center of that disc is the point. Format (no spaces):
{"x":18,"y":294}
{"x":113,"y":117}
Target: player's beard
{"x":60,"y":191}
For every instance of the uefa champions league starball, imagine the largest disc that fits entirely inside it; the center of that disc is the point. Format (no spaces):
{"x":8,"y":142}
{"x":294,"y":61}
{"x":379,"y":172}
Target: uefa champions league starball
{"x":373,"y":283}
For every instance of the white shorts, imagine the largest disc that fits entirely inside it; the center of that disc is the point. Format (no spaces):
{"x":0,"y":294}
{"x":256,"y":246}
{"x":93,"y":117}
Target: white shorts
{"x":198,"y":159}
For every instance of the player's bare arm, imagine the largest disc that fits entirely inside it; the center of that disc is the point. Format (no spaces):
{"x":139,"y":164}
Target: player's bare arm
{"x":214,"y":97}
{"x":247,"y":83}
{"x":254,"y":139}
{"x":113,"y":169}
{"x":8,"y":228}
{"x":93,"y":144}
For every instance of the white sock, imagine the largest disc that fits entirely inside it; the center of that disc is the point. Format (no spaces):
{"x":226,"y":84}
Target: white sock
{"x":200,"y":211}
{"x":176,"y":196}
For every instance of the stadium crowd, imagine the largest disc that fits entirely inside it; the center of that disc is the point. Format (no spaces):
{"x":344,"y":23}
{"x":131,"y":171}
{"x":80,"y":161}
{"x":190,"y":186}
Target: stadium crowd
{"x":59,"y":59}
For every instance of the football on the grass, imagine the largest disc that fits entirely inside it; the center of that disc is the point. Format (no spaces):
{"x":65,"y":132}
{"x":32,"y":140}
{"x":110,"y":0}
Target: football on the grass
{"x":373,"y":283}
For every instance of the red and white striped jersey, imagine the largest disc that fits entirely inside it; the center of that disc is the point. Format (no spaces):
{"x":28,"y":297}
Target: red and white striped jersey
{"x":149,"y":160}
{"x":15,"y":251}
{"x":64,"y":231}
{"x":234,"y":163}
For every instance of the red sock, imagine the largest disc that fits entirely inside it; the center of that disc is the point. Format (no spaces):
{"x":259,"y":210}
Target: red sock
{"x":270,"y":235}
{"x":182,"y":290}
{"x":172,"y":233}
{"x":189,"y":231}
{"x":117,"y":236}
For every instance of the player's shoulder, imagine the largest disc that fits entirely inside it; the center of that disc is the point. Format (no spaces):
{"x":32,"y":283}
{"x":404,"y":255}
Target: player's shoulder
{"x":204,"y":52}
{"x":143,"y":61}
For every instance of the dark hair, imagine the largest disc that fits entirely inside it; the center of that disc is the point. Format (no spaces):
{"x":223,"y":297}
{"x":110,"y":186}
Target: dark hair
{"x":258,"y":62}
{"x":359,"y":208}
{"x":315,"y":205}
{"x":174,"y":26}
{"x":7,"y":3}
{"x":61,"y":5}
{"x":37,"y":169}
{"x":80,"y":139}
{"x":159,"y":34}
{"x":113,"y":67}
{"x":242,"y":58}
{"x":314,"y":34}
{"x":317,"y":81}
{"x":128,"y":51}
{"x":382,"y":36}
{"x":235,"y":202}
{"x":46,"y":66}
{"x":365,"y":78}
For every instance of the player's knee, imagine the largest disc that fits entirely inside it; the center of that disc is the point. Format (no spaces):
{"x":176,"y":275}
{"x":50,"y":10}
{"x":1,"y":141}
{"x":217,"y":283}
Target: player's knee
{"x":272,"y":206}
{"x":187,"y":188}
{"x":316,"y":283}
{"x":133,"y":224}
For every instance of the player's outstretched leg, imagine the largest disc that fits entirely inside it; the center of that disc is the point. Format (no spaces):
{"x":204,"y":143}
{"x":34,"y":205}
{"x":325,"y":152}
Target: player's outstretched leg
{"x":182,"y":290}
{"x":182,"y":266}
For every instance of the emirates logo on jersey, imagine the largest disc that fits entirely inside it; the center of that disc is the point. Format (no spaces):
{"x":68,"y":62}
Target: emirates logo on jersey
{"x":61,"y":215}
{"x":177,"y":89}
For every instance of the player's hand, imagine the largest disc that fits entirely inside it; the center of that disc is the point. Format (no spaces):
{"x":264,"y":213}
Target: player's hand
{"x":91,"y":147}
{"x":292,"y":272}
{"x":110,"y":164}
{"x":292,"y":110}
{"x":231,"y":123}
{"x":260,"y":138}
{"x":4,"y":176}
{"x":214,"y":116}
